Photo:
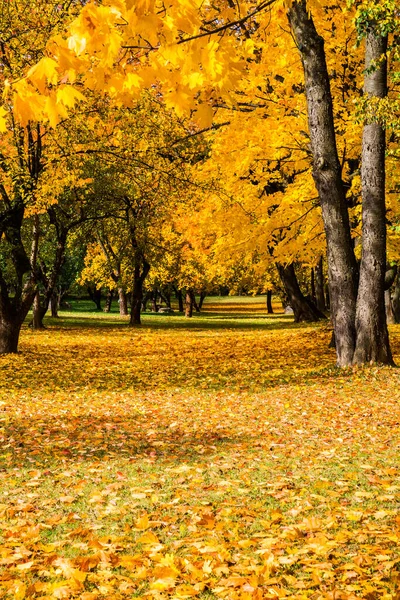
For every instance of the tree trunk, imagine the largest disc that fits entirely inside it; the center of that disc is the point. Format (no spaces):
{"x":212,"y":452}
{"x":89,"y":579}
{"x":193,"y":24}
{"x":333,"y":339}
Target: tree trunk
{"x":179,"y":297}
{"x":396,"y":300}
{"x":203,"y":296}
{"x":108,"y":302}
{"x":189,"y":304}
{"x":390,"y":318}
{"x":372,"y":338}
{"x":154,"y":301}
{"x":166,"y":297}
{"x":39,"y":312}
{"x":312,"y":277}
{"x":123,"y":302}
{"x":270,"y":310}
{"x":195,"y":305}
{"x":303,"y":309}
{"x":319,"y":286}
{"x":137,"y":288}
{"x":10,"y":329}
{"x":342,"y":267}
{"x":54,"y":305}
{"x":95,"y":296}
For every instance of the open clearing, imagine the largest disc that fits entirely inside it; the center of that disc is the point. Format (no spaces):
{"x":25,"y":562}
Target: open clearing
{"x":221,"y":457}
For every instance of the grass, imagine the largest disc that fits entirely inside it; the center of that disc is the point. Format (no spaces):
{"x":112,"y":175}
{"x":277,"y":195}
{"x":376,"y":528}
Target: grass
{"x":219,"y":457}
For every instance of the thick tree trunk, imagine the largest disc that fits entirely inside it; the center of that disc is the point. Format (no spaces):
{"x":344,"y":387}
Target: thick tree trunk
{"x":342,"y":267}
{"x":372,"y":338}
{"x":123,"y":302}
{"x":319,"y":286}
{"x":270,"y":310}
{"x":9,"y":335}
{"x":303,"y":308}
{"x":189,"y":304}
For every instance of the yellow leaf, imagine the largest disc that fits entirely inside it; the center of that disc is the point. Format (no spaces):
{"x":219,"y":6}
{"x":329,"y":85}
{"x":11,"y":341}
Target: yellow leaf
{"x":143,"y":522}
{"x":148,"y":538}
{"x":69,"y":95}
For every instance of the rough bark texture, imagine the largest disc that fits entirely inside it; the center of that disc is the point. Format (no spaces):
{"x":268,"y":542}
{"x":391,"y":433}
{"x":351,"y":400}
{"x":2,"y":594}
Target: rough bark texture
{"x":372,"y":336}
{"x":303,"y":308}
{"x":9,"y":335}
{"x":123,"y":302}
{"x":319,"y":286}
{"x":342,"y":267}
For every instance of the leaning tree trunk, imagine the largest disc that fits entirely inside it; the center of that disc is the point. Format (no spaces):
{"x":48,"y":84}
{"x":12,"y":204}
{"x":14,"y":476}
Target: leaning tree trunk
{"x":372,"y":338}
{"x":342,"y":266}
{"x":303,"y":309}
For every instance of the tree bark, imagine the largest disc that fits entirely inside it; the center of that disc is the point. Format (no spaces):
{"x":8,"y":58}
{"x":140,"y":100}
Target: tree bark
{"x":342,"y":267}
{"x":10,"y":328}
{"x":312,"y":277}
{"x":390,"y":317}
{"x":189,"y":304}
{"x":270,"y":310}
{"x":372,"y":338}
{"x":396,"y":300}
{"x":95,"y":296}
{"x":179,"y":297}
{"x":319,"y":285}
{"x":141,"y":270}
{"x":123,"y":302}
{"x":109,"y":299}
{"x":39,"y":312}
{"x":203,"y":296}
{"x":303,"y":308}
{"x":54,"y":305}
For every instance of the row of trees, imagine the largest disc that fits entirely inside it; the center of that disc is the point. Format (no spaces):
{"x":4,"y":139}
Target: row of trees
{"x":202,"y":146}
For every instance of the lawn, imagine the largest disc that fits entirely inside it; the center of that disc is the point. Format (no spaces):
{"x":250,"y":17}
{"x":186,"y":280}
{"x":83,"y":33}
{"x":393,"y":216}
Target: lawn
{"x":218,"y":457}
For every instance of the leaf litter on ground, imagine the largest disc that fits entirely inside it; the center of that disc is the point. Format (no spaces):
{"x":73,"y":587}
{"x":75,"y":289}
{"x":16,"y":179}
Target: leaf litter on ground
{"x":189,"y":461}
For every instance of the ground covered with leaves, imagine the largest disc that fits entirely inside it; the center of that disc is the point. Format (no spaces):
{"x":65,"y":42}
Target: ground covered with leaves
{"x":223,"y":457}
